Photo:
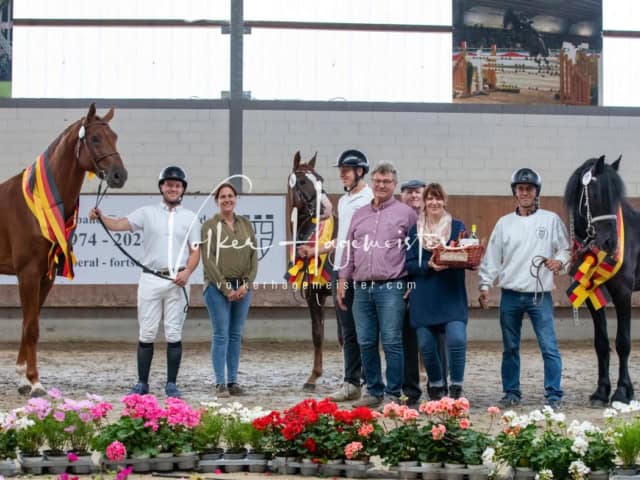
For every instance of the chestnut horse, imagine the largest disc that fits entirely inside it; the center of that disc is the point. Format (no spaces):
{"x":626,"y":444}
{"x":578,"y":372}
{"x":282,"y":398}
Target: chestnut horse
{"x":311,"y":222}
{"x":88,"y":145}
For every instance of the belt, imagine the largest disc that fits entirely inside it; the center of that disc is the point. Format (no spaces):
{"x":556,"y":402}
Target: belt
{"x":165,"y":273}
{"x":371,"y":283}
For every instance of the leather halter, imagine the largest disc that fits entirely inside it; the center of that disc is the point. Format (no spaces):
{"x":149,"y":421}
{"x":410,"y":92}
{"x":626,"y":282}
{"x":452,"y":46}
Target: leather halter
{"x":82,"y":140}
{"x":587,"y":179}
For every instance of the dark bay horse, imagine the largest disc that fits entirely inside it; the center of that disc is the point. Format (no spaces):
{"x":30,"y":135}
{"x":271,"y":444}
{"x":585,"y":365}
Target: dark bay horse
{"x":603,"y":221}
{"x":312,"y":222}
{"x":527,"y":36}
{"x":53,"y":186}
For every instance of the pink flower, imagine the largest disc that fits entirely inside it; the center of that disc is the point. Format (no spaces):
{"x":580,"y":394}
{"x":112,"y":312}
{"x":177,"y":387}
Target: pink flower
{"x":124,"y":473}
{"x":55,"y":394}
{"x":391,"y":410}
{"x":365,"y":430}
{"x":465,"y":423}
{"x":409,"y":414}
{"x":493,"y":410}
{"x":70,"y":429}
{"x":116,"y":451}
{"x":351,"y":450}
{"x":63,"y":476}
{"x":72,"y":457}
{"x":218,"y":471}
{"x":438,"y":431}
{"x":58,"y":415}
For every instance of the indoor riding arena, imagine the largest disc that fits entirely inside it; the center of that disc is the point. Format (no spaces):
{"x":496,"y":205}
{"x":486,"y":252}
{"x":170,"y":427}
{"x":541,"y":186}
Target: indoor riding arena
{"x":97,"y":99}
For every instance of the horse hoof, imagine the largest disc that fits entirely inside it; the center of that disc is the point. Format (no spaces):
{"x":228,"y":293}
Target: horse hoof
{"x":309,"y":387}
{"x":38,"y":391}
{"x":598,"y":403}
{"x":24,"y":389}
{"x":621,"y":395}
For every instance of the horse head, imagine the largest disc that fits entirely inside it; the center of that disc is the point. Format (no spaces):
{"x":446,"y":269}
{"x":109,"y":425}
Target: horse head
{"x":593,"y":195}
{"x":305,"y":186}
{"x":96,"y":149}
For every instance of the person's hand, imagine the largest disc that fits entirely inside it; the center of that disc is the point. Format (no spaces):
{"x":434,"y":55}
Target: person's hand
{"x":182,"y":277}
{"x":435,"y":266}
{"x":554,"y":265}
{"x":484,"y":299}
{"x":94,"y":214}
{"x":407,"y":293}
{"x":232,"y":296}
{"x":306,"y":251}
{"x":340,"y":291}
{"x":241,"y":292}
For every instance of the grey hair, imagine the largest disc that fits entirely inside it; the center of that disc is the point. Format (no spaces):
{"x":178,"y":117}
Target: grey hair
{"x":386,"y":167}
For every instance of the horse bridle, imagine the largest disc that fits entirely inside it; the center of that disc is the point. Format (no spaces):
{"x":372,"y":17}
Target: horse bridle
{"x":82,"y":140}
{"x":308,"y":200}
{"x":587,"y":178}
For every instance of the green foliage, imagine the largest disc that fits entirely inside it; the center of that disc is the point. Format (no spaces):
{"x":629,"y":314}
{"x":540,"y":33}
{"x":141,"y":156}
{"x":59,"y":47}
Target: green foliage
{"x":400,"y":444}
{"x":473,"y":445}
{"x":30,"y":439}
{"x":131,"y":432}
{"x":236,"y":434}
{"x":515,"y":446}
{"x":553,"y":452}
{"x":601,"y":453}
{"x":206,"y":436}
{"x":8,"y":444}
{"x":626,"y":438}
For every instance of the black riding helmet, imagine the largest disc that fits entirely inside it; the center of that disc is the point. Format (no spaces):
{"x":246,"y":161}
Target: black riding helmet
{"x":353,"y":158}
{"x":173,"y":173}
{"x":527,"y":176}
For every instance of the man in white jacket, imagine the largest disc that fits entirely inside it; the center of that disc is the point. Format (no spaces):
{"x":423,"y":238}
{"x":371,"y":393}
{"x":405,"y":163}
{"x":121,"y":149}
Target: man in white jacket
{"x":527,"y":247}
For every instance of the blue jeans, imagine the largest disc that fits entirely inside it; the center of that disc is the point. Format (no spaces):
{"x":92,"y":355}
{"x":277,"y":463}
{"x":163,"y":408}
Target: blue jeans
{"x":350,"y":350}
{"x":227,"y":323}
{"x":513,"y":306}
{"x":378,"y":310}
{"x":429,"y":345}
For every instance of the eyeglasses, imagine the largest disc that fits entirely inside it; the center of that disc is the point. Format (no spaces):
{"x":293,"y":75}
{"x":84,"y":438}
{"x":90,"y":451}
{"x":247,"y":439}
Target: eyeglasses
{"x":384,"y":182}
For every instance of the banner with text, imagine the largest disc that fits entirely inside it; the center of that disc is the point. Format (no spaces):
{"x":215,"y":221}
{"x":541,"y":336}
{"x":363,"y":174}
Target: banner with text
{"x":100,"y":261}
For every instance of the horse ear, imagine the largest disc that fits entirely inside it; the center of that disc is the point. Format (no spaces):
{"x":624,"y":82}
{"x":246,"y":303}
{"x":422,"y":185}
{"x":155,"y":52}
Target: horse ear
{"x":296,"y":160}
{"x":615,"y":165}
{"x":92,"y":111}
{"x":107,"y":118}
{"x":598,"y":168}
{"x":312,"y":162}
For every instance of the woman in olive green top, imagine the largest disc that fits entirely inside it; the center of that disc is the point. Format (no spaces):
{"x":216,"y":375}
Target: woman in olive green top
{"x":230,"y":264}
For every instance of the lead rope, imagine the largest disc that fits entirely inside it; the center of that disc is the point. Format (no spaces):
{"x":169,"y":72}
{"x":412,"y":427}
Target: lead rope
{"x":572,"y":240}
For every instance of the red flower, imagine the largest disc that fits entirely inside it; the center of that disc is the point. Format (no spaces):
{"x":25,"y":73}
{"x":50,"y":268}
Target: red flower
{"x":310,"y":445}
{"x":363,"y":414}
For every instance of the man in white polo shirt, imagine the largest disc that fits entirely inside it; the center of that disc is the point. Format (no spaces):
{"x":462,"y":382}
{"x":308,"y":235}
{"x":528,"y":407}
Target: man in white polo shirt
{"x":171,"y":238}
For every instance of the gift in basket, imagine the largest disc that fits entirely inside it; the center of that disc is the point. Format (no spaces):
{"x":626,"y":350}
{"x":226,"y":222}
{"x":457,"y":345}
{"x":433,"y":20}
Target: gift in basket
{"x":463,"y":253}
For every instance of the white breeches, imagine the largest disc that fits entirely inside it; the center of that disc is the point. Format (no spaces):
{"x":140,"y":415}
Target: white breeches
{"x":159,"y":298}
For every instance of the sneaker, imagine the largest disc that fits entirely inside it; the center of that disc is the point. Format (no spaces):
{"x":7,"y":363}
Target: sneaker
{"x":455,"y":391}
{"x":171,"y":390}
{"x":234,"y":389}
{"x":390,"y":399}
{"x":509,"y":400}
{"x":139,"y":389}
{"x":555,"y":403}
{"x":369,"y":401}
{"x":347,"y":392}
{"x":221,"y":391}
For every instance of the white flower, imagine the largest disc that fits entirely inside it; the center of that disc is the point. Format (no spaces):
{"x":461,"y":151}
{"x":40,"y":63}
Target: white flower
{"x":580,"y":446}
{"x":536,"y":416}
{"x":521,"y":421}
{"x":547,"y":411}
{"x":558,"y":417}
{"x":634,"y":405}
{"x":622,"y":407}
{"x":544,"y":474}
{"x":488,"y":459}
{"x":578,"y":470}
{"x":609,"y":413}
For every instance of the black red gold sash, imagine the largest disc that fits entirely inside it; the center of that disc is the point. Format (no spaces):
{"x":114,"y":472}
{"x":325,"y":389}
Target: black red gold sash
{"x":596,"y":268}
{"x":317,"y":275}
{"x":42,"y":197}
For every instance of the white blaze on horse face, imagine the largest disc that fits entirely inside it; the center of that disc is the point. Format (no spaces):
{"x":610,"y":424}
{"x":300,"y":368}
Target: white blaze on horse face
{"x":318,"y":186}
{"x":81,"y":132}
{"x":292,"y":180}
{"x":294,"y":229}
{"x":586,"y":178}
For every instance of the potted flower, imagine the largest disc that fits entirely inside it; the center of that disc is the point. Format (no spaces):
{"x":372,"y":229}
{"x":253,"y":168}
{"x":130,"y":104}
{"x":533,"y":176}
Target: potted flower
{"x":594,"y":448}
{"x":514,"y":446}
{"x":29,"y":438}
{"x":626,"y":439}
{"x":207,"y":434}
{"x":235,"y":434}
{"x":399,"y":446}
{"x":8,"y":446}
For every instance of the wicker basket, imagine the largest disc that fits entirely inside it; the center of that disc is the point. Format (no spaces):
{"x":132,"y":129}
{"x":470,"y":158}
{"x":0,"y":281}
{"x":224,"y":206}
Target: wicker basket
{"x":468,"y":256}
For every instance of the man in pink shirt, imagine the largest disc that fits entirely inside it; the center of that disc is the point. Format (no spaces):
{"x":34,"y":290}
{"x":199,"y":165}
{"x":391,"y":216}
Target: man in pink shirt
{"x":375,"y":256}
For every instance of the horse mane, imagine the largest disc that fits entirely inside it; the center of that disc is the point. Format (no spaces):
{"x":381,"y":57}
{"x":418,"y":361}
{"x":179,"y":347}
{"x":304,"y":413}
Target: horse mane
{"x":613,"y":194}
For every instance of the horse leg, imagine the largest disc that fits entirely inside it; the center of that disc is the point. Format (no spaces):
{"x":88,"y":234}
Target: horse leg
{"x":624,"y":390}
{"x":316,"y":302}
{"x":600,"y":397}
{"x":31,"y":285}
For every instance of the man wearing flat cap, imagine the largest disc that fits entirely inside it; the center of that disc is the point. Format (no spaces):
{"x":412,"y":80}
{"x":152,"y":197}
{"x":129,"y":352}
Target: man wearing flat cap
{"x":411,"y":193}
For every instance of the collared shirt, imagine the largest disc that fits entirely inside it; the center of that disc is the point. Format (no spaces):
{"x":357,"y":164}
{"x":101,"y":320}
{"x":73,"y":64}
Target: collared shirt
{"x":347,"y":206}
{"x":168,"y":233}
{"x":377,"y":246}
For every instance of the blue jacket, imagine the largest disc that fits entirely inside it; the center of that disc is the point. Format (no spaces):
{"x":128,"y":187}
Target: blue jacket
{"x":437,"y":297}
